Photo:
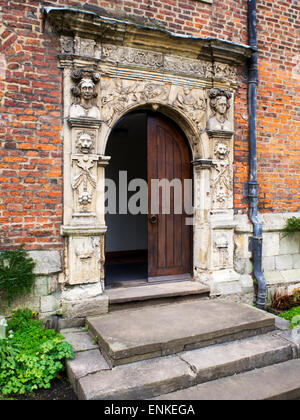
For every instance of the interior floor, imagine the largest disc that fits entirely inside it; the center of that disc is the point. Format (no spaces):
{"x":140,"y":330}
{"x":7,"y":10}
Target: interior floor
{"x":125,"y":271}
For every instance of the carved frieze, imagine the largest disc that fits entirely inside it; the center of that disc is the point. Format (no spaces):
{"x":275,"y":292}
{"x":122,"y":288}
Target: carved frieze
{"x":132,"y":56}
{"x":222,"y":176}
{"x":192,"y":102}
{"x":84,"y":47}
{"x":66,"y":45}
{"x":84,"y":182}
{"x":154,"y":91}
{"x":189,"y":66}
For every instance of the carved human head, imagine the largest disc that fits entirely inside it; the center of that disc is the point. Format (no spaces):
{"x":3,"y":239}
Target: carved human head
{"x":85,"y":83}
{"x":219,"y":100}
{"x":87,"y":89}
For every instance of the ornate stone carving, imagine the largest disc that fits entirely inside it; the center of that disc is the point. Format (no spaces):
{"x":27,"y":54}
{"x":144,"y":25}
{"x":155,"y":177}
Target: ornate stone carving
{"x":192,"y":103}
{"x":132,"y":56}
{"x":84,"y":181}
{"x":221,"y":251}
{"x":85,"y":142}
{"x":116,"y":97}
{"x":221,"y":176}
{"x":84,"y":259}
{"x":154,"y":91}
{"x":219,"y":103}
{"x":84,"y":47}
{"x":66,"y":45}
{"x":84,"y":93}
{"x":224,"y":71}
{"x":189,"y":66}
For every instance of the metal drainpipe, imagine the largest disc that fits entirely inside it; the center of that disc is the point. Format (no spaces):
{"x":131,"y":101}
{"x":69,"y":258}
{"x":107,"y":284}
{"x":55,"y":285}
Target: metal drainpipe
{"x":256,"y":240}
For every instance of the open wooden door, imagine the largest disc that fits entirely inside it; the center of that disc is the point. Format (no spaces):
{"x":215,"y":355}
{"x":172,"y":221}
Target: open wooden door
{"x":169,"y":237}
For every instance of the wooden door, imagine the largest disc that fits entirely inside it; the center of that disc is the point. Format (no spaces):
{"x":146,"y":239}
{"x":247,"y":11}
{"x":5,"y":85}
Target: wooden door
{"x":169,"y":237}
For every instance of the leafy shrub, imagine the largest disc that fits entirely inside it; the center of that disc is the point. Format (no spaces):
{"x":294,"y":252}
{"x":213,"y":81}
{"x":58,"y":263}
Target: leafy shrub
{"x":292,"y":226}
{"x":16,"y":273}
{"x":31,"y":356}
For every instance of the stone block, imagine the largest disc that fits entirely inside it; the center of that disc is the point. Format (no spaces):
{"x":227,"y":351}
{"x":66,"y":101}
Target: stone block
{"x":291,"y":276}
{"x":290,"y":244}
{"x":85,"y":307}
{"x":246,"y":283}
{"x":283,"y":262}
{"x":41,"y":286}
{"x":296,"y":261}
{"x":271,"y":242}
{"x":274,"y":277}
{"x":80,"y":341}
{"x":82,"y":292}
{"x":85,"y":363}
{"x":47,"y":262}
{"x":268,"y":263}
{"x":50,"y":303}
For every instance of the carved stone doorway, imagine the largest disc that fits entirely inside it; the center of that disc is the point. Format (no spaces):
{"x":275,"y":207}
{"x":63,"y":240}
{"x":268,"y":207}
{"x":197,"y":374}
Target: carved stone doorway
{"x":148,"y":201}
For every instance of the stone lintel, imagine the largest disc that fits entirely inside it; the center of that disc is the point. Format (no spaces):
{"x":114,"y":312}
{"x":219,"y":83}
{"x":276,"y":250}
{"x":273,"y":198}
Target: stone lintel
{"x":87,"y":24}
{"x":84,"y":123}
{"x":218,"y":134}
{"x":202,"y":163}
{"x":83,"y":230}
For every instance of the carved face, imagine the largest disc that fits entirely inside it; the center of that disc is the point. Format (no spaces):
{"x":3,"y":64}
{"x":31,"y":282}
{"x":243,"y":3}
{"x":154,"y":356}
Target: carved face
{"x":87,"y":89}
{"x":221,"y":150}
{"x":221,"y":105}
{"x":85,"y":143}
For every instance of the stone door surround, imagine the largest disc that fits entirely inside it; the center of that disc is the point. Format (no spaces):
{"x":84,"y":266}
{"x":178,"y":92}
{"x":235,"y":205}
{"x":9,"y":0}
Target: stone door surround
{"x":112,"y":67}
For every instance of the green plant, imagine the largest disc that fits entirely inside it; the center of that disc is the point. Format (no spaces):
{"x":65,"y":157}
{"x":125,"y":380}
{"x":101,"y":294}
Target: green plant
{"x":16,"y":273}
{"x":31,"y":356}
{"x":292,"y":315}
{"x":292,"y":226}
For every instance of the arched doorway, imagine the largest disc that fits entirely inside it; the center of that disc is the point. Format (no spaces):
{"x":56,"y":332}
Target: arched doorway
{"x":149,"y":178}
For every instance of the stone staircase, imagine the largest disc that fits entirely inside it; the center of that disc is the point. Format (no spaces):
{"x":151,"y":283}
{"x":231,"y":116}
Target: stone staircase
{"x":191,"y":349}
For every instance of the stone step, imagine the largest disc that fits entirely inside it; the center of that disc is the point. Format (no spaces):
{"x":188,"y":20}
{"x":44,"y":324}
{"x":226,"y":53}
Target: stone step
{"x":93,"y":379}
{"x":140,"y":334}
{"x":133,"y":297}
{"x":277,"y":382}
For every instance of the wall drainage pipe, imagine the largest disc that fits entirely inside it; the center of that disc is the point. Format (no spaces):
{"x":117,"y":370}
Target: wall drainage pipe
{"x":256,"y":240}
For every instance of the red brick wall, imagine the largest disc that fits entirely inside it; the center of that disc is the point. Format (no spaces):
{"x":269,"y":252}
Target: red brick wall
{"x":31,"y":112}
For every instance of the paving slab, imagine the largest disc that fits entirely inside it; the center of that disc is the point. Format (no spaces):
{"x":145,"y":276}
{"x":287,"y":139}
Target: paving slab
{"x":277,"y":382}
{"x":140,"y":380}
{"x":155,"y":291}
{"x":226,"y":359}
{"x":127,"y":336}
{"x":83,"y":364}
{"x":80,"y":341}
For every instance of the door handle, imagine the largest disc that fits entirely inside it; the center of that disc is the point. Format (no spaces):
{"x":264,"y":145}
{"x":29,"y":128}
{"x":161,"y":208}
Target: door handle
{"x":153,"y":219}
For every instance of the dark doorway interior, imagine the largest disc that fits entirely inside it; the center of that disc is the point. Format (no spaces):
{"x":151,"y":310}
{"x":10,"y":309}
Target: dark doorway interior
{"x":126,"y":237}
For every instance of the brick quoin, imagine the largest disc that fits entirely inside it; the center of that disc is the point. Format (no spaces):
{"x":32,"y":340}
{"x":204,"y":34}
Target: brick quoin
{"x":31,"y":161}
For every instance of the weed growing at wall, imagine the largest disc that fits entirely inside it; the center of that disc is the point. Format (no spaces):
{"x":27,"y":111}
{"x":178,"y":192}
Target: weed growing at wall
{"x":292,"y":226}
{"x":16,"y":273}
{"x":30,"y":356}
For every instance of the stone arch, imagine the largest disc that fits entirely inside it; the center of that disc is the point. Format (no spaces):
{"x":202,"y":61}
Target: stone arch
{"x":197,"y":140}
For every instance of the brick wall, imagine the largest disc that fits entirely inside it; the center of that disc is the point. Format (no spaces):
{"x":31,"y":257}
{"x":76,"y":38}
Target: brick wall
{"x":31,"y":113}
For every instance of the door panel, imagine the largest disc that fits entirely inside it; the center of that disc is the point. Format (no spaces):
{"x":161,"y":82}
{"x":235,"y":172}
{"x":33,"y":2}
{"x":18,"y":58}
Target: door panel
{"x":169,"y":238}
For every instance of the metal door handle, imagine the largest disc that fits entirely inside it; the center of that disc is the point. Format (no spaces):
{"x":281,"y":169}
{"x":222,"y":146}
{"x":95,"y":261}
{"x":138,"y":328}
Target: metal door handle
{"x":153,"y":219}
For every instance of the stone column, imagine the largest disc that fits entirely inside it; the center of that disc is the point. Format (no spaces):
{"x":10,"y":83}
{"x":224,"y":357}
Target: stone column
{"x":83,"y":283}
